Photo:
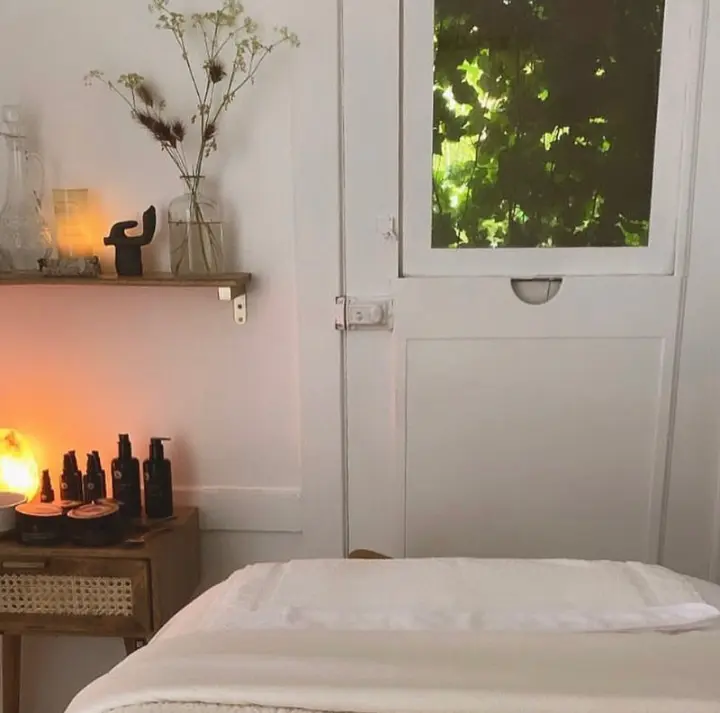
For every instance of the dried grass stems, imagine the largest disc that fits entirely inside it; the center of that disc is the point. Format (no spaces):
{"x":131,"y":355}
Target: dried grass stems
{"x":232,"y":54}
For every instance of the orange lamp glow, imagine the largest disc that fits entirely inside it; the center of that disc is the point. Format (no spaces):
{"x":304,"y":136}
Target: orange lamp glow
{"x":78,"y":224}
{"x":18,"y":467}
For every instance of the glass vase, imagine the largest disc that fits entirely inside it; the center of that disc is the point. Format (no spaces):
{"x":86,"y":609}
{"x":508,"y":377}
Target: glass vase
{"x":196,"y":231}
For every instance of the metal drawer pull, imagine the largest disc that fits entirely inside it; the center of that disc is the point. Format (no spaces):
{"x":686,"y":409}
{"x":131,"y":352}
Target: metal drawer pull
{"x":41,"y":564}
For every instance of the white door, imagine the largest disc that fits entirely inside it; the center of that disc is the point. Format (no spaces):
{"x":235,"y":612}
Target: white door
{"x":488,"y":143}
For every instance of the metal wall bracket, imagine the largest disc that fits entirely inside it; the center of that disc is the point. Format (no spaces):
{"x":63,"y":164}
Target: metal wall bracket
{"x":239,"y":303}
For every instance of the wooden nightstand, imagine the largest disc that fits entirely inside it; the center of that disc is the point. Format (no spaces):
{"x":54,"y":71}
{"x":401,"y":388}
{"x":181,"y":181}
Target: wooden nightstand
{"x":125,"y":591}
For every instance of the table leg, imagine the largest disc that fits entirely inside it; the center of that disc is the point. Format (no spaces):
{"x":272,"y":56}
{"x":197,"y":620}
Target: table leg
{"x":11,"y":653}
{"x":132,"y":645}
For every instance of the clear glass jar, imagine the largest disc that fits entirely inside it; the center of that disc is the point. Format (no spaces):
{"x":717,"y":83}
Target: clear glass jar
{"x":196,"y":232}
{"x":25,"y":236}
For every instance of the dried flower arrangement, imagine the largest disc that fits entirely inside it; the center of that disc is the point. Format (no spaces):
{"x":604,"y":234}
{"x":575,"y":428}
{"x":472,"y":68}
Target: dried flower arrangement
{"x":232,"y":54}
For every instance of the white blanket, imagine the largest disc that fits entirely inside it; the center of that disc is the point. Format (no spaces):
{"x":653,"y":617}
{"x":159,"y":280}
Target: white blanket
{"x":420,"y":672}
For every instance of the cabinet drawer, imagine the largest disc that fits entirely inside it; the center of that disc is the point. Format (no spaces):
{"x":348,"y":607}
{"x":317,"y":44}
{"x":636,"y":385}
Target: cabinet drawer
{"x":65,"y":595}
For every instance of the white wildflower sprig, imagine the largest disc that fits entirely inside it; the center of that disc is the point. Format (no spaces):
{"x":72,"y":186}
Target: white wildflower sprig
{"x":233,"y":53}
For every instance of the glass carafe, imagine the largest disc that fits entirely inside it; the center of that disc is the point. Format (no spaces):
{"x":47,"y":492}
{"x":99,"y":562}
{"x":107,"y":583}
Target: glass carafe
{"x":25,"y":236}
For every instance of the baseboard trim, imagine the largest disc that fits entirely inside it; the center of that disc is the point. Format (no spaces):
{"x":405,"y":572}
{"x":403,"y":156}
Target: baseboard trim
{"x":242,"y":509}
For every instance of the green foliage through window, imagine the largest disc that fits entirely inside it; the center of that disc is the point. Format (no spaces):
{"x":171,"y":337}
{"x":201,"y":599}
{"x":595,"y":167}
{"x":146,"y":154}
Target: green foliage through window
{"x":545,"y":116}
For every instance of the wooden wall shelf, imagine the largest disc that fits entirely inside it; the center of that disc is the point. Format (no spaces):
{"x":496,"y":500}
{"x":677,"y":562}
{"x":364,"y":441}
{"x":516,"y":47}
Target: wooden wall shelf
{"x":231,"y":287}
{"x":154,"y":279}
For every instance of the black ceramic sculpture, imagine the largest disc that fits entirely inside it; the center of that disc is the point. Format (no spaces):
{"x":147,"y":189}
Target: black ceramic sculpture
{"x":128,"y":248}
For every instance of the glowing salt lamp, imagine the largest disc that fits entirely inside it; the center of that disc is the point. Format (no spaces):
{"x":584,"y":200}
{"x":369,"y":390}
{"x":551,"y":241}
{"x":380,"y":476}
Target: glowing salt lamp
{"x":18,"y":467}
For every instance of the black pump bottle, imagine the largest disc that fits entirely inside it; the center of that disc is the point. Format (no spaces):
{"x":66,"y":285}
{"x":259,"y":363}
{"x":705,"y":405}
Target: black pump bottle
{"x":157,"y":473}
{"x":71,"y":480}
{"x":68,"y":479}
{"x":102,"y":480}
{"x":126,"y":479}
{"x":92,"y":490}
{"x":47,"y":494}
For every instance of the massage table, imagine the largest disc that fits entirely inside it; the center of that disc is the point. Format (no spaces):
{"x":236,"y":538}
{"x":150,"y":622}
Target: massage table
{"x":282,"y":645}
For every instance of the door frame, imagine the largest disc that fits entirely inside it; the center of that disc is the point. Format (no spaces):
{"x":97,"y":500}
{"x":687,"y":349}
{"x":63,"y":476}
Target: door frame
{"x":371,"y":165}
{"x":692,"y":517}
{"x":317,"y":162}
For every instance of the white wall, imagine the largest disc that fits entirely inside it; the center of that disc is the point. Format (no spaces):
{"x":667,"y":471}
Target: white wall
{"x":86,"y":364}
{"x":80,"y":365}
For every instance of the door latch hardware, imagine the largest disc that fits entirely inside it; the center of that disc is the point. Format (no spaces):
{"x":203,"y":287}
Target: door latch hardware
{"x":353,"y":313}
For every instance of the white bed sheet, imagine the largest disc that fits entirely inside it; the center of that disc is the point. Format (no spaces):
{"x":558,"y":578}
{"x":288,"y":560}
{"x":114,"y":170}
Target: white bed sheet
{"x":709,"y":591}
{"x":346,"y":595}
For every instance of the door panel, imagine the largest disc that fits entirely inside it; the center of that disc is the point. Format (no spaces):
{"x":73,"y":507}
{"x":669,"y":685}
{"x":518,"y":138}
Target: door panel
{"x":584,"y":307}
{"x":482,"y":424}
{"x":531,"y":448}
{"x":533,"y":430}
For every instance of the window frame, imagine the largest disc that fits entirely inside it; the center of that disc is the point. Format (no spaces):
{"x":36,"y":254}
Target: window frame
{"x":678,"y":109}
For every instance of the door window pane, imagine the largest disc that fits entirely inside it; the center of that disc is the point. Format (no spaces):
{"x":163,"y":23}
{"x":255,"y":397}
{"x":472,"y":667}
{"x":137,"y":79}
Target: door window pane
{"x":544,"y":122}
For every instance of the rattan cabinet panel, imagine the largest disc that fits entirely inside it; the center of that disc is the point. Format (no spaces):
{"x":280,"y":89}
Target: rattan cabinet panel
{"x":106,"y":596}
